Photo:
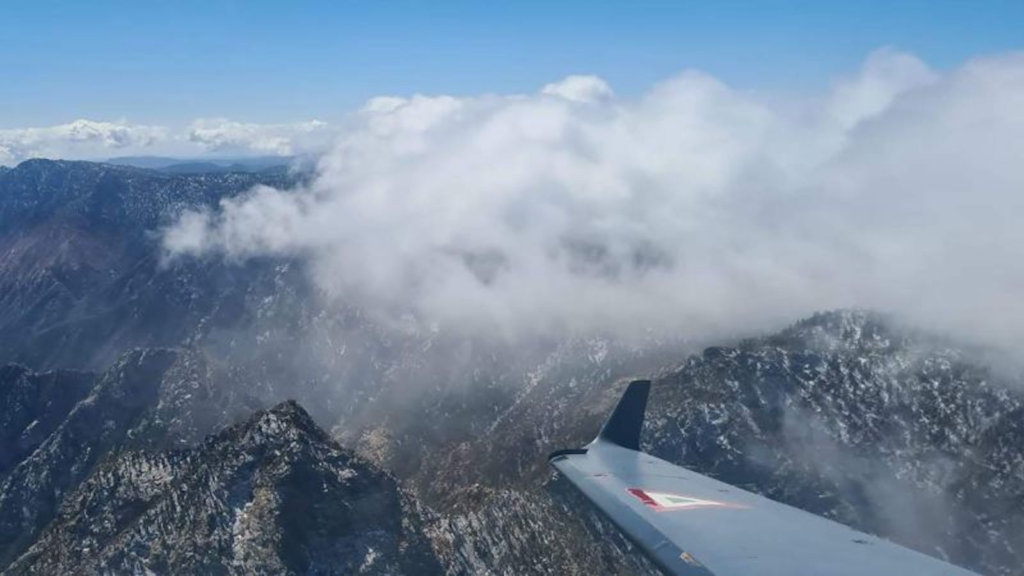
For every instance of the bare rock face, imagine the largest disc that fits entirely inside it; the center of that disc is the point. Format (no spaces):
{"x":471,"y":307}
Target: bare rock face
{"x":272,"y":495}
{"x":35,"y":488}
{"x":551,"y":531}
{"x":32,"y":405}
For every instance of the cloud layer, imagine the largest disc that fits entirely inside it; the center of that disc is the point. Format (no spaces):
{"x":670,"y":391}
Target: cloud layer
{"x":88,"y":139}
{"x":81,"y":137}
{"x":697,"y":207}
{"x":221,"y":134}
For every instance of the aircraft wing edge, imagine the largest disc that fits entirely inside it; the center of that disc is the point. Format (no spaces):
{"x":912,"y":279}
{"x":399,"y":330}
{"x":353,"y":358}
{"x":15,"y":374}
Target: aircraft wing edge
{"x":622,"y":428}
{"x":612,"y":462}
{"x":659,"y":549}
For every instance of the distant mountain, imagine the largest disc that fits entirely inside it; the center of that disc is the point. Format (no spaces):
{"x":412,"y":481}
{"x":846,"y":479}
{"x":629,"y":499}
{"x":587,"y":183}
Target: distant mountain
{"x":81,"y":277}
{"x":211,"y":168}
{"x":148,"y":162}
{"x":205,"y":165}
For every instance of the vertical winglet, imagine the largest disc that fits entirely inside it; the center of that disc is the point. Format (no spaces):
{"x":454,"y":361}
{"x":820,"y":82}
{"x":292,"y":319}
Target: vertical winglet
{"x":623,"y":426}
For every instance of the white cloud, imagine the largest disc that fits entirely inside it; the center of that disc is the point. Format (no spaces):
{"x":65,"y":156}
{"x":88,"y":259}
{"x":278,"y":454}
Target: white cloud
{"x":580,"y":89}
{"x":694,"y":208}
{"x":223,"y":135}
{"x":81,"y":138}
{"x":92,"y":140}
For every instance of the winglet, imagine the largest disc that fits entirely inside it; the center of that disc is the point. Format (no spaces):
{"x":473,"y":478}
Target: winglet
{"x":623,"y":426}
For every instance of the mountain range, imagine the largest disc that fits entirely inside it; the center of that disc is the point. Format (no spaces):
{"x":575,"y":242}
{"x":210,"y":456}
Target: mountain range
{"x":212,"y":416}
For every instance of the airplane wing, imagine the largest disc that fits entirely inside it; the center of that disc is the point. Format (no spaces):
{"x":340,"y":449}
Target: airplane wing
{"x":694,"y":525}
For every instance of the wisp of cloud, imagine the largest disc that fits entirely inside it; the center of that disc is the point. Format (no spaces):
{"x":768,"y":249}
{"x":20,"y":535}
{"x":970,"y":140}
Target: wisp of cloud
{"x":696,"y":208}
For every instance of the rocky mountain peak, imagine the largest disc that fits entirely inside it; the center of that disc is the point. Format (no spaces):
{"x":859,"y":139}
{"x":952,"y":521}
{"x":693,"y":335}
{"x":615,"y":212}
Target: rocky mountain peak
{"x":285,"y":417}
{"x":272,"y":494}
{"x":850,"y":330}
{"x":286,"y":426}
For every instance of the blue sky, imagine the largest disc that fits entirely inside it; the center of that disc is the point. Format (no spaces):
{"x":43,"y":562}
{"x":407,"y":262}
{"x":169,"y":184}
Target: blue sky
{"x":168,"y":62}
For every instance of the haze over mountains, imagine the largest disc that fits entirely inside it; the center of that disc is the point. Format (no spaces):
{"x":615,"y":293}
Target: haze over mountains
{"x":311,"y":348}
{"x":145,"y":399}
{"x":205,"y":165}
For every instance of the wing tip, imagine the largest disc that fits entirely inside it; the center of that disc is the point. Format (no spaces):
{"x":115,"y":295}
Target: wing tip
{"x":627,"y":419}
{"x":566,"y":452}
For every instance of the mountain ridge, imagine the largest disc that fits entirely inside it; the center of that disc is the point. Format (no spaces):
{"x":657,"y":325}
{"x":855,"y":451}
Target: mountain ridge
{"x":847,"y":414}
